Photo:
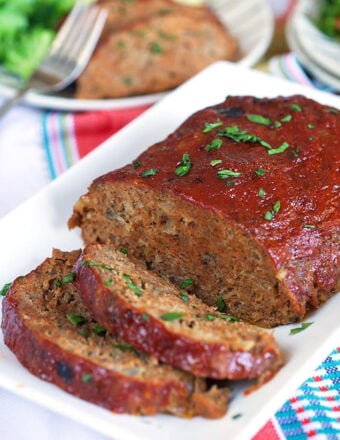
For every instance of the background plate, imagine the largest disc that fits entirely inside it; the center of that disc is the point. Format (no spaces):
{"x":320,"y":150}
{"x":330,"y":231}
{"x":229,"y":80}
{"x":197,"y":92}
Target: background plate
{"x":250,"y":21}
{"x":28,"y":234}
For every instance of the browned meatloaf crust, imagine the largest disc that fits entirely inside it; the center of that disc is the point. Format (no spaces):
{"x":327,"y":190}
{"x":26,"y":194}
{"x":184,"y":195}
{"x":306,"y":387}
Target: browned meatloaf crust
{"x":243,"y":198}
{"x":167,"y":322}
{"x":53,"y":335}
{"x":165,"y":46}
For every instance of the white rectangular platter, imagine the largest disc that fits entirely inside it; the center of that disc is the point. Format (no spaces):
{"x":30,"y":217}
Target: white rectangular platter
{"x":28,"y":234}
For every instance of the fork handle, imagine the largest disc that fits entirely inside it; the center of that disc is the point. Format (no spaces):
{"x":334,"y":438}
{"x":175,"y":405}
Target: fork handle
{"x":13,"y":100}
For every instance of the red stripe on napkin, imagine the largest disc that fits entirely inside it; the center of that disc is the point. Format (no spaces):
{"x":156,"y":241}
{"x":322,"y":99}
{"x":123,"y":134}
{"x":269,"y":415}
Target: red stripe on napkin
{"x":93,"y":128}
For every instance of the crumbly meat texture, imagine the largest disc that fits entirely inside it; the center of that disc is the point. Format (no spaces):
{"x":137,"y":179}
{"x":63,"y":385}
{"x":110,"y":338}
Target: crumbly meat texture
{"x":251,"y":214}
{"x":170,"y":323}
{"x":53,"y":335}
{"x":161,"y":49}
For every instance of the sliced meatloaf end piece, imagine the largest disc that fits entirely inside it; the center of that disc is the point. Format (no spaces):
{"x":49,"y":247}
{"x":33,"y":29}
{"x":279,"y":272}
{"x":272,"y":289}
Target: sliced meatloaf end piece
{"x":52,"y":334}
{"x":155,"y":54}
{"x":243,"y":198}
{"x":177,"y":328}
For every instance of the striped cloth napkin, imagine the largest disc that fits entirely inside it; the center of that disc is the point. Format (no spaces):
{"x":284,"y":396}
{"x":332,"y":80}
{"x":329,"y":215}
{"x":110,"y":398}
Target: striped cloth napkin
{"x":45,"y":144}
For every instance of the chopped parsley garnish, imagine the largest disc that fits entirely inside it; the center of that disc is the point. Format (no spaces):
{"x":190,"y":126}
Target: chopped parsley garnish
{"x":260,"y":172}
{"x":136,"y":163}
{"x":286,"y":118}
{"x":209,"y":126}
{"x":95,"y":264}
{"x":66,"y":279}
{"x":215,"y":144}
{"x":209,"y":317}
{"x":150,"y":172}
{"x":283,"y":147}
{"x":296,"y":108}
{"x":184,"y":166}
{"x":220,"y":304}
{"x":230,"y":183}
{"x":108,"y":283}
{"x":99,"y":329}
{"x":269,"y":215}
{"x":87,"y":378}
{"x":236,"y":416}
{"x":5,"y":289}
{"x":186,"y":283}
{"x":123,"y":251}
{"x":259,"y":119}
{"x":135,"y":289}
{"x":311,"y":126}
{"x":296,"y":152}
{"x":215,"y":162}
{"x":125,"y":347}
{"x":184,"y":296}
{"x":145,"y":317}
{"x":156,"y":48}
{"x":296,"y":330}
{"x":75,"y":319}
{"x":228,"y":317}
{"x":277,"y":124}
{"x":172,"y":316}
{"x":225,"y":174}
{"x":261,"y":192}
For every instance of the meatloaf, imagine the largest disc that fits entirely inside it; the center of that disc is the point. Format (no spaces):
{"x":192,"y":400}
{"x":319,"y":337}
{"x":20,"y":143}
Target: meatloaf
{"x":148,"y":50}
{"x":54,"y":336}
{"x":243,"y":198}
{"x":170,"y":323}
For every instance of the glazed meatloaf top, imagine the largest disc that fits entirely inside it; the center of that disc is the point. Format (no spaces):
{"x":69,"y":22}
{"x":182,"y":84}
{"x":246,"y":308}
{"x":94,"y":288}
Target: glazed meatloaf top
{"x":54,"y":336}
{"x":266,"y":168}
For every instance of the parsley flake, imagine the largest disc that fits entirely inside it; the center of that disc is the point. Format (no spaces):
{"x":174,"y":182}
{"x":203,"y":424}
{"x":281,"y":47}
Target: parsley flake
{"x":209,"y":126}
{"x":184,"y":166}
{"x":259,"y":119}
{"x":172,"y":316}
{"x":261,"y":192}
{"x":296,"y":108}
{"x":296,"y":330}
{"x":75,"y":318}
{"x":135,"y":289}
{"x":215,"y":162}
{"x":87,"y":378}
{"x":186,"y":283}
{"x":215,"y":144}
{"x":260,"y":172}
{"x":225,"y":174}
{"x":5,"y":289}
{"x":286,"y":118}
{"x":150,"y":172}
{"x":283,"y":147}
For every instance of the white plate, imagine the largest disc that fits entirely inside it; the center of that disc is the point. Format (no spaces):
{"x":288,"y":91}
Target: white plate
{"x":319,"y":54}
{"x":250,"y":21}
{"x":28,"y":234}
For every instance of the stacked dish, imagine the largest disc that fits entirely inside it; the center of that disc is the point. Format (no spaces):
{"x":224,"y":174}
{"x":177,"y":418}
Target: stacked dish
{"x":317,"y":52}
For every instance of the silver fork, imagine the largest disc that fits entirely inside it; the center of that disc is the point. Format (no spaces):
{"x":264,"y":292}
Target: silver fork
{"x":69,"y":53}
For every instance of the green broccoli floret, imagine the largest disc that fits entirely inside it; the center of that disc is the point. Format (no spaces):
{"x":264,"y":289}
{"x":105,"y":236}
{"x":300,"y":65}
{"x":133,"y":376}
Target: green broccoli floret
{"x":27,"y":28}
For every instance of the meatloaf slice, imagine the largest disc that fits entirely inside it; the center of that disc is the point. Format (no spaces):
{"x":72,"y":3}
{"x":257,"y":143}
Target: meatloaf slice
{"x":165,"y":321}
{"x":243,"y":198}
{"x":53,"y":335}
{"x":155,"y":53}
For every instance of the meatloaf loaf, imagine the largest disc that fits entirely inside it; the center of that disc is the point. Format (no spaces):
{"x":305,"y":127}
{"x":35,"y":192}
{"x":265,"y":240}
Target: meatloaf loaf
{"x":54,"y":336}
{"x":243,"y":198}
{"x":152,"y":49}
{"x":169,"y":323}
